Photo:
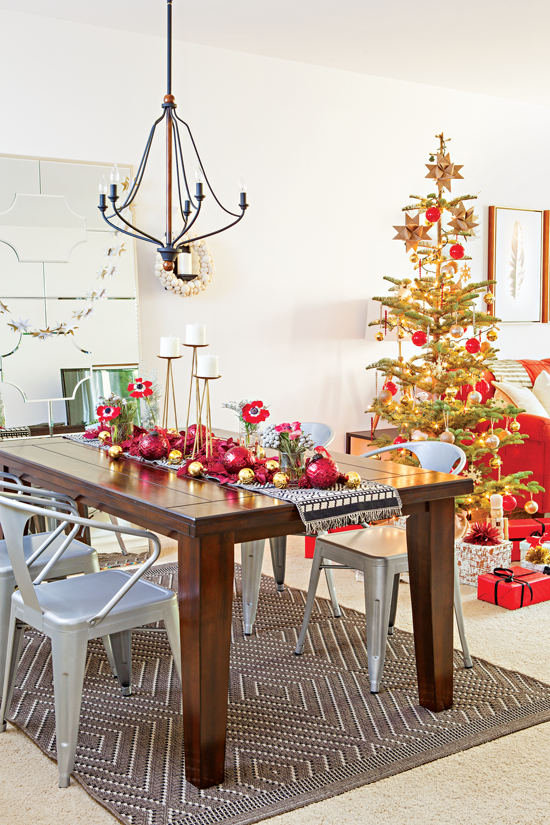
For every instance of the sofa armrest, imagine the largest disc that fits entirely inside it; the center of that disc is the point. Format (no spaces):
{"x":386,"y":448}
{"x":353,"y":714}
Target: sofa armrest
{"x":535,"y":426}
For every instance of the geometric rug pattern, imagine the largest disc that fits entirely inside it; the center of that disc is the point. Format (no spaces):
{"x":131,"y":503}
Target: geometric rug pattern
{"x":300,"y":728}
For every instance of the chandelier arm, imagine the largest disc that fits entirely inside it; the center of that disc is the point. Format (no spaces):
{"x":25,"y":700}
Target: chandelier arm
{"x":143,"y":163}
{"x":140,"y":232}
{"x":217,"y":231}
{"x":188,"y":226}
{"x":178,"y":138}
{"x":178,"y":179}
{"x":130,"y":234}
{"x":220,"y":204}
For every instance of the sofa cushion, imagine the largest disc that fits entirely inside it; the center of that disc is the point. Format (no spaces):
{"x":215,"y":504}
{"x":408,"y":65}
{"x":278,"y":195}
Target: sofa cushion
{"x":541,"y":388}
{"x":523,"y":398}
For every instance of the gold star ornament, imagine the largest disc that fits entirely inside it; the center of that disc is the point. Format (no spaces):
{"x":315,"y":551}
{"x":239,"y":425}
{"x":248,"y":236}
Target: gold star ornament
{"x":443,"y":171}
{"x":413,"y":232}
{"x":464,"y":219}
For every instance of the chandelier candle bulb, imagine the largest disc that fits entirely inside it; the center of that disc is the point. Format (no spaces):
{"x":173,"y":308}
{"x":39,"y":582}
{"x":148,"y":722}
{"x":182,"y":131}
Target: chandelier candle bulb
{"x":169,"y":347}
{"x":195,"y":335}
{"x":207,"y":366}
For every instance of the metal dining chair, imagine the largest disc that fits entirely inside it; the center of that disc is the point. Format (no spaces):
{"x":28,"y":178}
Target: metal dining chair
{"x":252,"y":552}
{"x":73,"y":611}
{"x":381,"y":554}
{"x":39,"y":549}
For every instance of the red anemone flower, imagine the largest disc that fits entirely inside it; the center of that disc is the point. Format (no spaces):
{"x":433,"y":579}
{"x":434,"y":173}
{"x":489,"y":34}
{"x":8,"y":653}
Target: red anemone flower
{"x":107,"y":413}
{"x":140,"y":389}
{"x":255,"y":412}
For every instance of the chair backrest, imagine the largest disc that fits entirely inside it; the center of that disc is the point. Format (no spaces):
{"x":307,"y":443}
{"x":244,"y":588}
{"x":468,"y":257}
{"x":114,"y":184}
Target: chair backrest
{"x":438,"y":456}
{"x":15,"y":511}
{"x":323,"y":434}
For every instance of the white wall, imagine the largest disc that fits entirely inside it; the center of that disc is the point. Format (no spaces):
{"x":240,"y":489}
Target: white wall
{"x":330,"y":157}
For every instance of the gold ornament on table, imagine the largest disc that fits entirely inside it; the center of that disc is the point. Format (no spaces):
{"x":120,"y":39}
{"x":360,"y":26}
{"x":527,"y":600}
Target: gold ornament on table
{"x":246,"y":475}
{"x":175,"y":457}
{"x":489,"y":298}
{"x":280,"y":480}
{"x":115,"y":451}
{"x":464,"y":219}
{"x":260,"y":452}
{"x":353,"y":480}
{"x":172,"y":431}
{"x":413,"y":232}
{"x":272,"y":465}
{"x":514,"y":427}
{"x":103,"y":436}
{"x":443,"y":171}
{"x":492,"y":335}
{"x":195,"y":469}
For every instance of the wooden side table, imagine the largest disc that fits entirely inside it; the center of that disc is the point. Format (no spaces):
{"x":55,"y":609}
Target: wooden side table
{"x":359,"y":442}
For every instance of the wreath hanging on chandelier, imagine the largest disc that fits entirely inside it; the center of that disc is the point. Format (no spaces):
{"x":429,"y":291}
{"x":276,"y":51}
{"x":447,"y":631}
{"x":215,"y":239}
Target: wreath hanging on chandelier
{"x":178,"y":286}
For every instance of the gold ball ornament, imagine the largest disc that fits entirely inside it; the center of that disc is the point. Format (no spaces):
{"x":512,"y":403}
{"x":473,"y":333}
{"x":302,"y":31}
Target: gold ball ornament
{"x":385,"y":396}
{"x":115,"y":451}
{"x":495,"y":462}
{"x":515,"y":427}
{"x":492,"y":335}
{"x":489,"y":298}
{"x":172,"y":431}
{"x":353,"y":480}
{"x":104,"y":435}
{"x":504,"y":434}
{"x":195,"y":469}
{"x":456,"y":331}
{"x":272,"y":465}
{"x":531,"y":507}
{"x":413,"y":258}
{"x":475,"y":397}
{"x":485,"y":346}
{"x":260,"y":452}
{"x":246,"y":475}
{"x":401,"y":333}
{"x":174,"y":457}
{"x":447,"y":436}
{"x":405,"y":400}
{"x":280,"y":480}
{"x":379,"y":336}
{"x":492,"y":442}
{"x":451,"y":392}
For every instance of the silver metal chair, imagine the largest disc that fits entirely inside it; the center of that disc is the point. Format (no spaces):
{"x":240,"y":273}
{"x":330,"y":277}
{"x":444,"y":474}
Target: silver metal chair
{"x":72,"y":611}
{"x":252,"y":552}
{"x":381,"y":554}
{"x":39,"y":549}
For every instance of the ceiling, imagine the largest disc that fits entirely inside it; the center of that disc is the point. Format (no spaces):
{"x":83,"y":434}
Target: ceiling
{"x":494,"y":47}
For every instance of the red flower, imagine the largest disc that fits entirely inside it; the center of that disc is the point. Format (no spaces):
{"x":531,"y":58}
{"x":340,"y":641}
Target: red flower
{"x":255,"y":412}
{"x":107,"y":413}
{"x":140,"y":389}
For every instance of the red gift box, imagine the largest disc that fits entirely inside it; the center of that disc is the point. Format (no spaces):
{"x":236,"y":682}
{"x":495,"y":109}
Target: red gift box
{"x":513,"y":588}
{"x":519,"y":529}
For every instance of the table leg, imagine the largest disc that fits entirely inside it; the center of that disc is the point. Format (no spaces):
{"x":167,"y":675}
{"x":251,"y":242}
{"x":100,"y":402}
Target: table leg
{"x":278,"y":559}
{"x":430,"y":541}
{"x":206,"y":568}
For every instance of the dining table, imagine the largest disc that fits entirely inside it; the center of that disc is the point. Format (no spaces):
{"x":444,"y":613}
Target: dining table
{"x":207,"y":519}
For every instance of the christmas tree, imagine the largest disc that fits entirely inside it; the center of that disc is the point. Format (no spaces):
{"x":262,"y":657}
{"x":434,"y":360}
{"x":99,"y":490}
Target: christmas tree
{"x":443,"y":388}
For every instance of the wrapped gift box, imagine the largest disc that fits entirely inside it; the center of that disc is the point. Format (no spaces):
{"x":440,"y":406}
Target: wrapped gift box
{"x":523,"y":588}
{"x":474,"y":559}
{"x":540,"y":568}
{"x":519,"y":529}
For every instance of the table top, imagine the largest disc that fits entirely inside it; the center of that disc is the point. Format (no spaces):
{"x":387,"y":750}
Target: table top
{"x":161,"y":501}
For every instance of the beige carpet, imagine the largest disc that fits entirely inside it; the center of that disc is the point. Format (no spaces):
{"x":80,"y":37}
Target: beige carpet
{"x":503,"y":781}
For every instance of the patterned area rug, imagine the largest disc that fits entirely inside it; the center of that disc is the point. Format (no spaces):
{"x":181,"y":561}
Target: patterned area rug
{"x":300,"y":729}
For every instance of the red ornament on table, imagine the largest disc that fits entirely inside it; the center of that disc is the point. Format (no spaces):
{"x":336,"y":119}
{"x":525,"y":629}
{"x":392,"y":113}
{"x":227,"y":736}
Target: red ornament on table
{"x":419,"y":338}
{"x":237,"y":459}
{"x":389,"y":385}
{"x":456,"y":251}
{"x":322,"y":470}
{"x":154,"y":445}
{"x":472,"y":345}
{"x":433,"y":214}
{"x":509,"y":503}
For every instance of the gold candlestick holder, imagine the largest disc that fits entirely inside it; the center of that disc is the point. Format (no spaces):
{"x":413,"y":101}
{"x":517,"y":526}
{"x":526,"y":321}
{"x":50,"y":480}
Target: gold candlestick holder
{"x":169,"y":386}
{"x":204,"y":408}
{"x":193,"y":381}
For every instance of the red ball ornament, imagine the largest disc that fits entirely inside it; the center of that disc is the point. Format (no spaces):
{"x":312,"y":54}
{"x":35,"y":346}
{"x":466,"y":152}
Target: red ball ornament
{"x":237,"y":458}
{"x":472,"y":345}
{"x":153,"y":445}
{"x":509,"y":503}
{"x":389,"y":385}
{"x":399,"y":440}
{"x":322,"y":471}
{"x":456,"y":251}
{"x":419,"y":338}
{"x":433,"y":214}
{"x":464,"y":392}
{"x":482,"y":386}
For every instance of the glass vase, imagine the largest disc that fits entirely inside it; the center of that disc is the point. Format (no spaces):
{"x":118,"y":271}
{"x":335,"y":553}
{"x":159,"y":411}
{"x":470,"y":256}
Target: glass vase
{"x":121,"y":431}
{"x":249,"y":436}
{"x":292,"y":465}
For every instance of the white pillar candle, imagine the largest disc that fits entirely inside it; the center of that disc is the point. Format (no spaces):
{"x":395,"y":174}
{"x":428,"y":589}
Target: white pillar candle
{"x":185,"y":263}
{"x":207,"y":366}
{"x":195,"y":334}
{"x":170,"y":347}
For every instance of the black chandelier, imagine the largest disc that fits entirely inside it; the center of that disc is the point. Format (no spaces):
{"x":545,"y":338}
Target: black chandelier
{"x":187,"y":207}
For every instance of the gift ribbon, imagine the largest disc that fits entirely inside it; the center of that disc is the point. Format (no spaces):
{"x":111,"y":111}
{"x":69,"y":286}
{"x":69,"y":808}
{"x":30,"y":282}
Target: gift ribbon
{"x":506,"y":576}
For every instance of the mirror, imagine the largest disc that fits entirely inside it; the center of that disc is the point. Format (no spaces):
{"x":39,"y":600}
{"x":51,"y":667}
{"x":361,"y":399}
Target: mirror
{"x":68,"y":295}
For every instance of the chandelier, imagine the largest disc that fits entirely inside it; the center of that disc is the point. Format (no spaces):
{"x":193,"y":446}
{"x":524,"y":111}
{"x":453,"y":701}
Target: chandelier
{"x":178,"y":188}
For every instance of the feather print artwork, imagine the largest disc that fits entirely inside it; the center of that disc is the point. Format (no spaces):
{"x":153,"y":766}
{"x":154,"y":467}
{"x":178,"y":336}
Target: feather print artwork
{"x":517,"y":262}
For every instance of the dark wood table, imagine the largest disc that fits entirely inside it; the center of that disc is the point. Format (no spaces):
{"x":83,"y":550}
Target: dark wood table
{"x":207,"y":520}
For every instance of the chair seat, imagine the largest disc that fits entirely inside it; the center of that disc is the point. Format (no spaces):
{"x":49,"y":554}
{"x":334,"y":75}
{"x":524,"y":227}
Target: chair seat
{"x":71,"y":603}
{"x":76,"y":550}
{"x":377,"y":543}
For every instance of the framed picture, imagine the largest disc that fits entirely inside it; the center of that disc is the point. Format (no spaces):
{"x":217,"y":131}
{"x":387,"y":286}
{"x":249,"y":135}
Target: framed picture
{"x":518,"y":261}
